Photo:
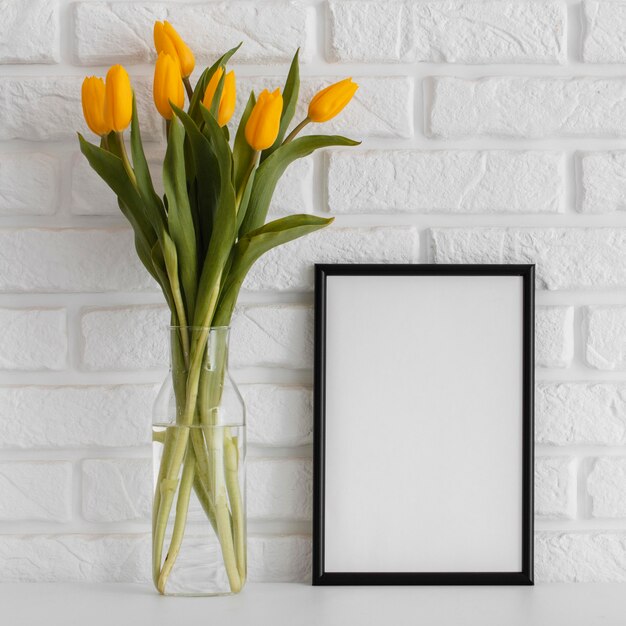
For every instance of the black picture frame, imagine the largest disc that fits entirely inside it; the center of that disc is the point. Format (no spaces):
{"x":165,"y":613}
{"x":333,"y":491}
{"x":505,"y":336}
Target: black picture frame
{"x":522,"y":577}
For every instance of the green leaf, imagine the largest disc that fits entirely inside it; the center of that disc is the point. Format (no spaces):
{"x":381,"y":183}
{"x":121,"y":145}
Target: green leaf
{"x":272,"y":169}
{"x":224,"y":226}
{"x":245,"y":199}
{"x":207,"y":178}
{"x":217,"y":96}
{"x":142,"y":246}
{"x":290,"y":101}
{"x":111,"y":169}
{"x":242,"y":152}
{"x":180,"y":220}
{"x":152,"y":202}
{"x":203,"y":81}
{"x":170,"y":258}
{"x":256,"y":243}
{"x":158,"y":261}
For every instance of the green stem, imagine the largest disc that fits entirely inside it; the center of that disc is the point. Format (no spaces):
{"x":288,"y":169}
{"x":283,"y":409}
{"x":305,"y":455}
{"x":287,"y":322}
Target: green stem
{"x":296,"y":130}
{"x":204,"y":496}
{"x":180,"y":521}
{"x":188,"y":87}
{"x":215,"y":468}
{"x":223,"y":517}
{"x":168,"y":474}
{"x":244,"y":181}
{"x":231,"y":462}
{"x":127,"y":166}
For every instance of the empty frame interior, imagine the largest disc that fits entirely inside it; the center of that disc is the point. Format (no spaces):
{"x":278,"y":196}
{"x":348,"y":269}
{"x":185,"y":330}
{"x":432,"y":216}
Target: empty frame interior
{"x":423,"y":423}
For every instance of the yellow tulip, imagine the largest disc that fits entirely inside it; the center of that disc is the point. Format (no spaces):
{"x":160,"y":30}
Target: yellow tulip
{"x":118,"y":101}
{"x":167,"y":40}
{"x":331,"y":101}
{"x":264,"y":121}
{"x":228,"y":98}
{"x":162,"y":42}
{"x":167,"y":86}
{"x":92,"y":95}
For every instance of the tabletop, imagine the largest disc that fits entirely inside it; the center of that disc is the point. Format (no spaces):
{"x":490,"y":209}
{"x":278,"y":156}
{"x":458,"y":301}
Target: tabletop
{"x":59,"y":604}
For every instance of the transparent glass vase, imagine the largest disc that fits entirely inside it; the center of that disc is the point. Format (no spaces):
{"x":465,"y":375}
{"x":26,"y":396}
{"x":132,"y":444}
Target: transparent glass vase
{"x":199,"y":446}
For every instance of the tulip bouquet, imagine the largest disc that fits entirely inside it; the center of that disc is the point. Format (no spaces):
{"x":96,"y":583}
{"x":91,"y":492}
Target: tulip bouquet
{"x":198,"y":242}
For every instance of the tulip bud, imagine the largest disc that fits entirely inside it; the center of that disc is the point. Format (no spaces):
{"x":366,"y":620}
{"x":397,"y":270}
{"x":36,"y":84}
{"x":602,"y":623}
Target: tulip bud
{"x":264,"y":121}
{"x":331,"y":101}
{"x":162,"y":42}
{"x":167,"y":40}
{"x":118,"y":102}
{"x":167,"y":86}
{"x":93,"y":95}
{"x":228,"y":98}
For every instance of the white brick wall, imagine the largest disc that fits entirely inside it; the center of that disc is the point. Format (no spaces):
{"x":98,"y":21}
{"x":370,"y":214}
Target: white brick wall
{"x":487,"y":137}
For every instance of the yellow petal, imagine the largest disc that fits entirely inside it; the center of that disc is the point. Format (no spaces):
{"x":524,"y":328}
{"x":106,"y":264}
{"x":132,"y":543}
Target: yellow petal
{"x":162,"y":41}
{"x":330,"y":101}
{"x":264,"y":121}
{"x":93,"y":96}
{"x":228,"y":99}
{"x":211,"y":88}
{"x":118,"y":103}
{"x":167,"y":85}
{"x":185,"y":55}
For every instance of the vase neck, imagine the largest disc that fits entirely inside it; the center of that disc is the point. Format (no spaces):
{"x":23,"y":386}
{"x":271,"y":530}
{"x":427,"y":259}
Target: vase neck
{"x":203,"y":346}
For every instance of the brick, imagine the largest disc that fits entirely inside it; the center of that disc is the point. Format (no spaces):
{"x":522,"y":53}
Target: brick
{"x":279,"y":489}
{"x":272,"y":336}
{"x":580,"y":557}
{"x":382,"y":106}
{"x":602,"y":178}
{"x":66,"y":417}
{"x":604,"y":23}
{"x":26,"y":111}
{"x":108,"y":32}
{"x":75,"y":558}
{"x":90,"y":194}
{"x":72,"y":260}
{"x":125,"y":338}
{"x":450,"y":32}
{"x":29,"y":31}
{"x":131,"y":338}
{"x":35,"y":491}
{"x":29,"y":184}
{"x":126,"y":558}
{"x":369,"y":31}
{"x":565,"y":258}
{"x":278,"y":415}
{"x":606,"y":484}
{"x":580,"y":414}
{"x":554,"y":336}
{"x":117,"y":490}
{"x":279,"y":559}
{"x":527,"y":107}
{"x":33,"y":339}
{"x":294,"y":191}
{"x":555,"y":487}
{"x":604,"y":329}
{"x":446,"y":181}
{"x":290,"y":267}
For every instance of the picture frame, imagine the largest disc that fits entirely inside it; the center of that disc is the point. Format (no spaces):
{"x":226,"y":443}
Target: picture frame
{"x":423,"y":425}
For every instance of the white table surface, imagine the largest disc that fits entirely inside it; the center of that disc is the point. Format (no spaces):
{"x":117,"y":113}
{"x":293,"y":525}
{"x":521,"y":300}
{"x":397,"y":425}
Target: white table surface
{"x":57,"y":604}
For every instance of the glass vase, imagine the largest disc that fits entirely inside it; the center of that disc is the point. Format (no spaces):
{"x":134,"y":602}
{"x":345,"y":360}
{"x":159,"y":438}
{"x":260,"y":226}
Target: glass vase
{"x":199,"y":446}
